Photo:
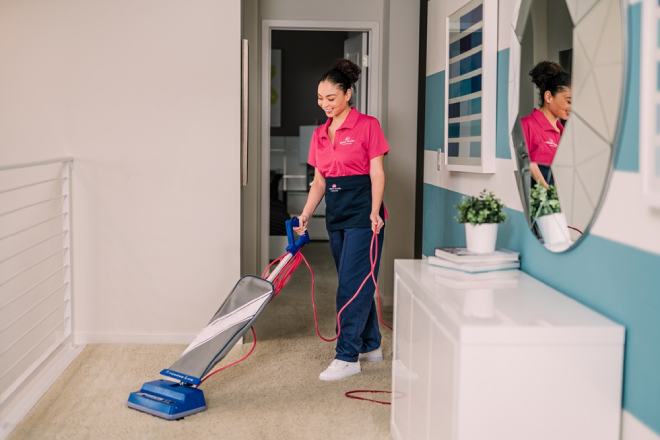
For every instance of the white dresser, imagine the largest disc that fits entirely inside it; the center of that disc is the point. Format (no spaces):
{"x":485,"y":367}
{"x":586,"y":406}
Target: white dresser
{"x":500,"y":360}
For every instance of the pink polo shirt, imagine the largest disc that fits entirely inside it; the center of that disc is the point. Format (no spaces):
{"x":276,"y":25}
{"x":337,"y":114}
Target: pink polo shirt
{"x":541,"y":137}
{"x":357,"y":141}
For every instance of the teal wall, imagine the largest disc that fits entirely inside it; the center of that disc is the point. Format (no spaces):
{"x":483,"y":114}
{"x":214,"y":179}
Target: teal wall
{"x":619,"y":281}
{"x":434,"y":126}
{"x":628,"y":158}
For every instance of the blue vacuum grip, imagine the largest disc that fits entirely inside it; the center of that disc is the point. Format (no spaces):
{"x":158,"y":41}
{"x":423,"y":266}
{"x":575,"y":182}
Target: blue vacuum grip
{"x":294,"y":246}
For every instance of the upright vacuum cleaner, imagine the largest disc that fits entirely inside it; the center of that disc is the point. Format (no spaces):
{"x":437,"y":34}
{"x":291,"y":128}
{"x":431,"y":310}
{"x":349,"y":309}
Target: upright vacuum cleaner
{"x":180,"y":398}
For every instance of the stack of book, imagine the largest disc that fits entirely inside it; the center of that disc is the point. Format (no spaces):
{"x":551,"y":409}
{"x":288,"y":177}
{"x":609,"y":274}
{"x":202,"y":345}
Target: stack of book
{"x":457,"y":260}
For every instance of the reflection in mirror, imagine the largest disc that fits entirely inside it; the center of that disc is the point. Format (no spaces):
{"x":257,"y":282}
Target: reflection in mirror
{"x":544,"y":126}
{"x":568,"y":78}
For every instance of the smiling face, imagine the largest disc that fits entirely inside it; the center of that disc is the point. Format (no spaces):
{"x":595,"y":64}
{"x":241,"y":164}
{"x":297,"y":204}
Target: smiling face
{"x":560,"y":104}
{"x":332,"y":99}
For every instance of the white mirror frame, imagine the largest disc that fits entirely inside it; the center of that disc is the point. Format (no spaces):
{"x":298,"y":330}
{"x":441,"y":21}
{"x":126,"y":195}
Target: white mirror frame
{"x":601,"y":131}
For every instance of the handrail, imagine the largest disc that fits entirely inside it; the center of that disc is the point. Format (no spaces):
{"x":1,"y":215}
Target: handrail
{"x":33,"y":246}
{"x":32,"y":266}
{"x":34,"y":346}
{"x":33,"y":226}
{"x":36,"y":163}
{"x":13,"y":344}
{"x":34,"y":306}
{"x":2,"y":214}
{"x":33,"y":287}
{"x":30,"y":185}
{"x":27,"y":304}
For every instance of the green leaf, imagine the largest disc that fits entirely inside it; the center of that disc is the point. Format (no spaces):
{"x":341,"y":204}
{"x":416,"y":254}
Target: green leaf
{"x":544,"y":200}
{"x":484,"y":208}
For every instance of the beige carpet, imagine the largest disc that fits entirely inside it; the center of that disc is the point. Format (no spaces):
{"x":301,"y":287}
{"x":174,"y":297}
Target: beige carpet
{"x":274,"y":394}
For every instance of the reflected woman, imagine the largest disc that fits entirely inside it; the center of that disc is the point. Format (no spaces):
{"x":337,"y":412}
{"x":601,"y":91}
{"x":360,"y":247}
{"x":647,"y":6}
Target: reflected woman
{"x":543,"y":128}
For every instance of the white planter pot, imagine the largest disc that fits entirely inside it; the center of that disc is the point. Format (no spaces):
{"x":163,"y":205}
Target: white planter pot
{"x":481,"y":239}
{"x":554,"y":228}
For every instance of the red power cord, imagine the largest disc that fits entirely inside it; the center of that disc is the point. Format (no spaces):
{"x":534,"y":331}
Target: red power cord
{"x":575,"y":229}
{"x":254,"y":344}
{"x":350,"y":395}
{"x":372,"y":256}
{"x":283,"y":278}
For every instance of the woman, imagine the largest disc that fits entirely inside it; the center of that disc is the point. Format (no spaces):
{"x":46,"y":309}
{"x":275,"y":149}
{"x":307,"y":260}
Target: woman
{"x":542,"y":127}
{"x":347,"y":155}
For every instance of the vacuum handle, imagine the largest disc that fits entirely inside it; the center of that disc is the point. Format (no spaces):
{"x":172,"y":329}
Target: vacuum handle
{"x":294,"y":246}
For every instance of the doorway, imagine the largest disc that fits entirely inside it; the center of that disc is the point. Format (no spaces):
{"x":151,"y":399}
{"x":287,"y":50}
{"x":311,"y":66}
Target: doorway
{"x":298,"y":59}
{"x":294,"y":56}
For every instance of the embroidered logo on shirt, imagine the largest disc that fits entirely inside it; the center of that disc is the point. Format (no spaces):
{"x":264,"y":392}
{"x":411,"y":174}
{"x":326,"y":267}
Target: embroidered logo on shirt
{"x":347,"y":141}
{"x":551,"y":143}
{"x":334,"y":188}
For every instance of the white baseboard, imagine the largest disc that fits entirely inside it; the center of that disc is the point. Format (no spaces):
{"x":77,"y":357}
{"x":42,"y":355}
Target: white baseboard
{"x":30,"y":393}
{"x":633,"y":429}
{"x":132,"y":338}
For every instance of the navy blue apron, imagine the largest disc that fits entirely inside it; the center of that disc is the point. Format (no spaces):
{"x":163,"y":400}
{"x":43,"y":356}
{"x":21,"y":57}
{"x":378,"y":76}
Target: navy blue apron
{"x":348,"y":202}
{"x":546,"y":171}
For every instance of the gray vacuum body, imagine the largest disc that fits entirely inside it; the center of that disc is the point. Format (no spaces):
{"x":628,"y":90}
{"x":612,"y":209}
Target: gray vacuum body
{"x":235,"y":316}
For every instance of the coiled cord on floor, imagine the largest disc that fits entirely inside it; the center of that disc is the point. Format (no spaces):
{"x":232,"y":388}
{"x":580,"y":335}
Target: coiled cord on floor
{"x":350,"y":395}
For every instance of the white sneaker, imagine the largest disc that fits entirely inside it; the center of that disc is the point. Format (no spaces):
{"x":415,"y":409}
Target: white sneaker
{"x":372,"y":356}
{"x":340,"y":369}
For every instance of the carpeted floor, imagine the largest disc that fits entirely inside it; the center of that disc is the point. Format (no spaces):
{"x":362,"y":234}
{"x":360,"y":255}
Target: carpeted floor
{"x":274,"y":394}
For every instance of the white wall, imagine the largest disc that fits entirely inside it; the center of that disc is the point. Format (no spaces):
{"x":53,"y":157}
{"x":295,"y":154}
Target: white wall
{"x":32,"y":75}
{"x":145,"y":96}
{"x":624,"y":232}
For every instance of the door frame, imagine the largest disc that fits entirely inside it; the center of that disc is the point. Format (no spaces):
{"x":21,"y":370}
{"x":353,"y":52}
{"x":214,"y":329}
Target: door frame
{"x":373,"y":81}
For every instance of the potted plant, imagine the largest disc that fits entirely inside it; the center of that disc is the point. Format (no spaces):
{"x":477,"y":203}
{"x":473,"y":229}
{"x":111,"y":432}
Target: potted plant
{"x":546,"y":213}
{"x":481,"y":215}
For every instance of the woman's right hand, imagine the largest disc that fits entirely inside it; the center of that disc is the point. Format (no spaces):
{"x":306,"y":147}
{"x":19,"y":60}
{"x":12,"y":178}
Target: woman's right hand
{"x":302,"y":224}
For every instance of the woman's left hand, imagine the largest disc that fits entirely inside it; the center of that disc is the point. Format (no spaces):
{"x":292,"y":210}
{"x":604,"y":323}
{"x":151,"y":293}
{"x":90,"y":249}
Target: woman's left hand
{"x":376,"y":222}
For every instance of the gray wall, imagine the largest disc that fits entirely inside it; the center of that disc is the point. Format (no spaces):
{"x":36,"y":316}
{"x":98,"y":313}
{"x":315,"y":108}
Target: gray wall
{"x":400,"y":67}
{"x":250,"y":207}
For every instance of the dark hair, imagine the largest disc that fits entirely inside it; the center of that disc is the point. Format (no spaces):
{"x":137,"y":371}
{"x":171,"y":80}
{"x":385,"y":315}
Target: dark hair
{"x":343,"y":73}
{"x":549,"y":76}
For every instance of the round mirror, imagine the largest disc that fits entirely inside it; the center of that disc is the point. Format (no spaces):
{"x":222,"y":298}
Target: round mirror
{"x":565,"y":104}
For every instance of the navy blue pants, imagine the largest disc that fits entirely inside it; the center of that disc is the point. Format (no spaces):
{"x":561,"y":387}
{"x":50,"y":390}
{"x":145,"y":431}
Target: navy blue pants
{"x":359,"y":321}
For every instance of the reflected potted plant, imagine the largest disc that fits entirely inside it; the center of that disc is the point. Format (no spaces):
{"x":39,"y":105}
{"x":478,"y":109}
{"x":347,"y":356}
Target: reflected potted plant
{"x":546,"y":213}
{"x":481,"y":215}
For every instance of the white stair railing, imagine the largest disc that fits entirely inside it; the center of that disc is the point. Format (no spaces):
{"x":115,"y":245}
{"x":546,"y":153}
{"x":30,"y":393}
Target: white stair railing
{"x":35,"y":272}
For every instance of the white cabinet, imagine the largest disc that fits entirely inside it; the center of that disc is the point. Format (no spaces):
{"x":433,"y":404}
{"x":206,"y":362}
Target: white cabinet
{"x":501,"y":360}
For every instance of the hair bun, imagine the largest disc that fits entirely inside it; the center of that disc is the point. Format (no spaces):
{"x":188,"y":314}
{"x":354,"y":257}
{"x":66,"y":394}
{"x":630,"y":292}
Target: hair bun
{"x":543,"y":72}
{"x":348,"y":68}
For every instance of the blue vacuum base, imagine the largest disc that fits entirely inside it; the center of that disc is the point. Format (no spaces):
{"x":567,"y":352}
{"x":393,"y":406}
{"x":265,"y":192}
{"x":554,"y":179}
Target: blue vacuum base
{"x":168,"y":400}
